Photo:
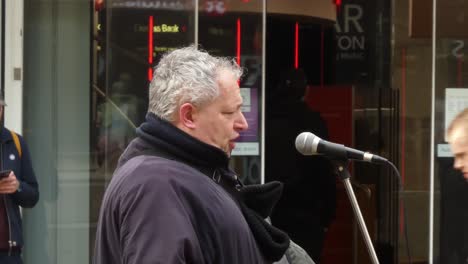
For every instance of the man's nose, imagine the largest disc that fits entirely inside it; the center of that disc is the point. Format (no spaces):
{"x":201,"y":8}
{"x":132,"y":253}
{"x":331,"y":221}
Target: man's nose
{"x":242,"y":124}
{"x":457,"y":164}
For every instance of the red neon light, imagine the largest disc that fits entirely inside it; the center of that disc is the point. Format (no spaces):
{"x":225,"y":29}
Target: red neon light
{"x":98,"y":5}
{"x":150,"y":40}
{"x":150,"y":47}
{"x":296,"y":47}
{"x":337,"y":5}
{"x":238,"y":41}
{"x":403,"y":114}
{"x":150,"y":74}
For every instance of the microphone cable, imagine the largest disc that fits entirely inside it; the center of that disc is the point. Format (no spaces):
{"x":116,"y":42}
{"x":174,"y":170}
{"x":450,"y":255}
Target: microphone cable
{"x":400,"y":199}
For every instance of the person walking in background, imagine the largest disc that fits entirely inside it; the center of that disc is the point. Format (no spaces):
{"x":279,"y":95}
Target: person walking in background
{"x":457,"y":137}
{"x":456,"y":248}
{"x":308,"y":204}
{"x":18,"y":187}
{"x":173,"y":197}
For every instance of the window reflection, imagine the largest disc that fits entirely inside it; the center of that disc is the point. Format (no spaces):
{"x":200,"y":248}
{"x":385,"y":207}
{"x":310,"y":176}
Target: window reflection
{"x":129,"y":39}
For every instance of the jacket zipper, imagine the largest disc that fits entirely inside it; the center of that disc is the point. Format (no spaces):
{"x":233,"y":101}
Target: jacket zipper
{"x":10,"y":243}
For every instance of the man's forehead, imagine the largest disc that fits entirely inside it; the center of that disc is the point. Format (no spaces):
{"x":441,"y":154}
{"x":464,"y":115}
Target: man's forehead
{"x":459,"y":135}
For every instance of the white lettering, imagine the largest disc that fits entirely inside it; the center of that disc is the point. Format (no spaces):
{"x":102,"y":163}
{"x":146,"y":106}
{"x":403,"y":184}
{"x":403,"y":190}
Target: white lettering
{"x":351,"y":42}
{"x":215,"y":7}
{"x":354,"y":19}
{"x":352,"y":15}
{"x":457,"y":52}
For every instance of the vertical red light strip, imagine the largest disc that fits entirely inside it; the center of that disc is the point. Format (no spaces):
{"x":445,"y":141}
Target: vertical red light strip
{"x":150,"y":48}
{"x":403,"y":113}
{"x":322,"y":60}
{"x":296,"y":47}
{"x":459,"y":71}
{"x":238,"y":47}
{"x":403,"y":130}
{"x":338,"y":6}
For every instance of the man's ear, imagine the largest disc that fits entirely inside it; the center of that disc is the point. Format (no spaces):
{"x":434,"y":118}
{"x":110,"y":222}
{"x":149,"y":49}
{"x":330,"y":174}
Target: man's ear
{"x":186,"y":114}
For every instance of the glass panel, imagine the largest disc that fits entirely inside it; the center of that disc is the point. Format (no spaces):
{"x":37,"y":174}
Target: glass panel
{"x":234,"y":28}
{"x":411,"y":78}
{"x":451,"y":97}
{"x":124,"y":54}
{"x":129,"y":38}
{"x":299,"y":73}
{"x":93,"y":92}
{"x":56,"y":124}
{"x":333,"y":79}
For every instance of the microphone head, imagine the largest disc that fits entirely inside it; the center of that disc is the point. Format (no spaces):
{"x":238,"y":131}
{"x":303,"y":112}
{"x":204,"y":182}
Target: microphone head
{"x":307,"y":143}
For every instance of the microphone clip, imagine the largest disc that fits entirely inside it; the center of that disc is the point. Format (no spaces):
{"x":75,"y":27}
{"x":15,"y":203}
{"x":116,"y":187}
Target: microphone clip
{"x":341,"y":168}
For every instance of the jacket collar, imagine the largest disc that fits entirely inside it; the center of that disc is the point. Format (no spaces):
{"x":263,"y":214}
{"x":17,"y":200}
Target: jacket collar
{"x":164,"y":135}
{"x":5,"y":135}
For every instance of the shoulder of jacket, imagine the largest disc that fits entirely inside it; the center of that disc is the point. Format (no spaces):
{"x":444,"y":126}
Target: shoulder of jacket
{"x":17,"y":141}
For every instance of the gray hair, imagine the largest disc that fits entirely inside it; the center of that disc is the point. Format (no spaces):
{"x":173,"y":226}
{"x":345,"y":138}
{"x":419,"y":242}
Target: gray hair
{"x":186,"y":75}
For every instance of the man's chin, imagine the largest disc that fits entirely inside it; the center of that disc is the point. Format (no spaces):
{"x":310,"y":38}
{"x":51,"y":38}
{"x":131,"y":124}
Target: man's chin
{"x":230,"y":148}
{"x":229,"y":152}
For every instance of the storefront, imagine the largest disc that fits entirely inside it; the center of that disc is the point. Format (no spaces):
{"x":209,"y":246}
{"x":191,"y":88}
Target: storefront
{"x":383,"y":76}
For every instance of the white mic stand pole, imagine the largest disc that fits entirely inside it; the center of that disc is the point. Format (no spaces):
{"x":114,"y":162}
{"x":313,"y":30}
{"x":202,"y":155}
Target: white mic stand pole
{"x":344,"y":176}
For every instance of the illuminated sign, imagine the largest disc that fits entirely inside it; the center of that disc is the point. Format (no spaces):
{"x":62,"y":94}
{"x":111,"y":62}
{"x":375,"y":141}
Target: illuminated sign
{"x":162,"y":28}
{"x":166,"y":28}
{"x":153,"y":4}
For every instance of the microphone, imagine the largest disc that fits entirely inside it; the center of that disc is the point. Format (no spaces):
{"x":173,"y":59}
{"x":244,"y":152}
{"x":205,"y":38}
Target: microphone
{"x":309,"y":144}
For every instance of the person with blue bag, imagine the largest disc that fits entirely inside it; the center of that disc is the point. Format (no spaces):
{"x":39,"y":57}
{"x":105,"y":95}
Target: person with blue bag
{"x":18,"y":188}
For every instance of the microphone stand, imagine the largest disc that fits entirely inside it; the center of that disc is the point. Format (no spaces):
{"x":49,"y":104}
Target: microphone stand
{"x":343,"y":173}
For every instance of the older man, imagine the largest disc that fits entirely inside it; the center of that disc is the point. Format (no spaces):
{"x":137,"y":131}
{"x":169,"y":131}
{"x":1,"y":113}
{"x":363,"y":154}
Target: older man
{"x":173,"y":197}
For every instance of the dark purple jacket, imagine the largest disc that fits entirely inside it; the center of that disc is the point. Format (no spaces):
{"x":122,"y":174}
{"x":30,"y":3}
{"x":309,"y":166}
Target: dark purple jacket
{"x":157,"y":210}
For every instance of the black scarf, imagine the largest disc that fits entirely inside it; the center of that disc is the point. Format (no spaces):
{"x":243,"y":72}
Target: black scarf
{"x":255,"y":201}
